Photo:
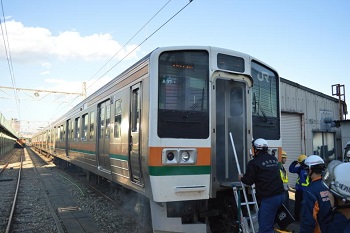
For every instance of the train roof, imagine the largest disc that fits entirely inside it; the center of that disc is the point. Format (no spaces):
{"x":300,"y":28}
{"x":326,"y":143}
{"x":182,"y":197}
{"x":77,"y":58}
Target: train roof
{"x":156,"y":52}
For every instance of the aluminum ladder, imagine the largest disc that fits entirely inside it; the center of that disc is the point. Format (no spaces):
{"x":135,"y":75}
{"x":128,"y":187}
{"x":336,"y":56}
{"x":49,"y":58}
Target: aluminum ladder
{"x":248,"y":223}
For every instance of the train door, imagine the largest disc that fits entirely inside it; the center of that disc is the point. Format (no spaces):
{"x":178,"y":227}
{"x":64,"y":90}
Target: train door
{"x":103,"y":135}
{"x":134,"y":138}
{"x":68,"y":136}
{"x":230,"y":117}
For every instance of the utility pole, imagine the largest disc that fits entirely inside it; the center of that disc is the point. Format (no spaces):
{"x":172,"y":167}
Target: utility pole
{"x":339,"y":90}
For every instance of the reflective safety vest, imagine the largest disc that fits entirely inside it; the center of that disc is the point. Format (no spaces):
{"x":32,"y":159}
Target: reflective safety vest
{"x":284,"y":175}
{"x":304,"y":184}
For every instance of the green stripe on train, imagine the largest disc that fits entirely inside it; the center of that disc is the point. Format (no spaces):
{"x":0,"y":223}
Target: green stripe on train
{"x":120,"y":157}
{"x":178,"y":170}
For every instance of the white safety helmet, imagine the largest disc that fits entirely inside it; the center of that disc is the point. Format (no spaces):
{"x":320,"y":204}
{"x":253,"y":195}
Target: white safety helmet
{"x":260,"y":144}
{"x":315,"y":163}
{"x":336,"y":178}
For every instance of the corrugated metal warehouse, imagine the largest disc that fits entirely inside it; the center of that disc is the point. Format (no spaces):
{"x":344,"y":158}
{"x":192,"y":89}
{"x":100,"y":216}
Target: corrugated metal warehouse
{"x":306,"y":124}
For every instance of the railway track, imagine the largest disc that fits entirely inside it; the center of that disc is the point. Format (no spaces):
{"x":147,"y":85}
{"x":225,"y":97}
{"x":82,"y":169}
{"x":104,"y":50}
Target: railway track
{"x":26,"y":205}
{"x":49,"y":199}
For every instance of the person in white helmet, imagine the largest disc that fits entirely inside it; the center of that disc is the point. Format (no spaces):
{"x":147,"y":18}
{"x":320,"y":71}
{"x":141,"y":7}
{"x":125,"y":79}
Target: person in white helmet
{"x":337,"y":179}
{"x":347,"y":152}
{"x":263,"y":171}
{"x":315,"y":204}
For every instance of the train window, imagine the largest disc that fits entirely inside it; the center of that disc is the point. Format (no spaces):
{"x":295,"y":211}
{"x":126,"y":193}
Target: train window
{"x":77,"y":129}
{"x":85,"y":126}
{"x":265,"y":101}
{"x":62,"y":133}
{"x":183,"y":94}
{"x":102,"y":122}
{"x":70,"y":130}
{"x":135,"y":114}
{"x":108,"y":121}
{"x":58,"y":132}
{"x":92,"y":125}
{"x":236,"y":99}
{"x":233,"y":63}
{"x":118,"y":118}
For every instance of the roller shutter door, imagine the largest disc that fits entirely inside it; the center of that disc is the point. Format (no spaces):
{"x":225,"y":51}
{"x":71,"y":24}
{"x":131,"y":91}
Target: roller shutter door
{"x":291,"y":141}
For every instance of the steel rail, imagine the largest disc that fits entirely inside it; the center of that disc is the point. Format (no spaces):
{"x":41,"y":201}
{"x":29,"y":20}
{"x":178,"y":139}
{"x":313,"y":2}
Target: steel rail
{"x":8,"y":228}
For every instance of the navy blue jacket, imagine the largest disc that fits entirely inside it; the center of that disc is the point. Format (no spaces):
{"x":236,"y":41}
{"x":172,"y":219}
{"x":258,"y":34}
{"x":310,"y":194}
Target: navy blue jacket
{"x":264,"y":172}
{"x":315,"y":207}
{"x":337,"y":223}
{"x":303,"y":179}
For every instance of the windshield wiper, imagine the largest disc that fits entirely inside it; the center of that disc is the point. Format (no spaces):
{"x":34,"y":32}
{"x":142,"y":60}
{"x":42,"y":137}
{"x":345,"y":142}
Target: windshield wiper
{"x":193,"y":107}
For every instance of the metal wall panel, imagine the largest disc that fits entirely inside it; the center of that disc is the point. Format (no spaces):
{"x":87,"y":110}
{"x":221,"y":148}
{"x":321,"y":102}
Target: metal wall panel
{"x":291,"y":125}
{"x":314,"y":107}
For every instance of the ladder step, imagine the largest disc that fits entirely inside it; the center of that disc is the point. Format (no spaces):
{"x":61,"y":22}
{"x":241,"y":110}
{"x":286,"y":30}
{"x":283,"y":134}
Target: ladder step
{"x":249,"y":203}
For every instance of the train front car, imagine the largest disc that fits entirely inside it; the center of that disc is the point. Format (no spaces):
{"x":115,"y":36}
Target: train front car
{"x":198,"y":96}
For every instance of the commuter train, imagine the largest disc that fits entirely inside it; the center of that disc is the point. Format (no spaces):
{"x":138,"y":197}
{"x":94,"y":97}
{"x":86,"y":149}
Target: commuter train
{"x":162,"y":128}
{"x":7,"y":141}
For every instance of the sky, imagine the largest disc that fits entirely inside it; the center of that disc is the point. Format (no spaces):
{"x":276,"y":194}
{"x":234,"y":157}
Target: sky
{"x":56,"y":46}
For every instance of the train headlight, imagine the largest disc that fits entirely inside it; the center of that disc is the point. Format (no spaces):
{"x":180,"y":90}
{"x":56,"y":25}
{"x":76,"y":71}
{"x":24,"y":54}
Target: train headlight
{"x":188,"y":155}
{"x":185,"y":156}
{"x":172,"y":156}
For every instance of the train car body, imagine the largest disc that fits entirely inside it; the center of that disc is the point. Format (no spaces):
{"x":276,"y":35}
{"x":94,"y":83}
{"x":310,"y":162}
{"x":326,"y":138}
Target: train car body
{"x":8,"y":136}
{"x":161,"y":128}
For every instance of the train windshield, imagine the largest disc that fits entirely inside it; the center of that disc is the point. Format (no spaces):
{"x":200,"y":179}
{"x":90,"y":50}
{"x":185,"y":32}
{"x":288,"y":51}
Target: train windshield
{"x":183,"y":94}
{"x":265,"y":100}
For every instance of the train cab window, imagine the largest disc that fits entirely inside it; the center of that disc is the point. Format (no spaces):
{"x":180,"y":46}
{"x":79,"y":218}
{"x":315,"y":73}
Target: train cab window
{"x":77,"y":129}
{"x":265,"y":101}
{"x":92,"y":125}
{"x":118,"y":118}
{"x":85,"y":126}
{"x":183,"y":94}
{"x":233,"y":63}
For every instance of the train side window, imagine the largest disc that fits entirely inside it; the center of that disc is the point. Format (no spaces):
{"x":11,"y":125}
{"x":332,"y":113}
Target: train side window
{"x":58,"y":132}
{"x":108,"y":121}
{"x":62,"y":133}
{"x":85,"y":126}
{"x":77,"y":129}
{"x":118,"y":118}
{"x":135,"y":110}
{"x":92,"y":125}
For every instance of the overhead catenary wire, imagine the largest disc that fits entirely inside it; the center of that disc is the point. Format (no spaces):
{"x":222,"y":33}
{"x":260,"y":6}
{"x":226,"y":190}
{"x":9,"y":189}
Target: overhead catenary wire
{"x":161,"y":26}
{"x":9,"y":59}
{"x":123,"y":47}
{"x":129,"y":41}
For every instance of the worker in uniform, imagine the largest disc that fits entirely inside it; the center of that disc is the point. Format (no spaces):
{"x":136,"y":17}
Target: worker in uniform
{"x":301,"y":183}
{"x":337,"y":179}
{"x":284,"y":177}
{"x":263,"y":171}
{"x":315,"y":204}
{"x":347,"y":152}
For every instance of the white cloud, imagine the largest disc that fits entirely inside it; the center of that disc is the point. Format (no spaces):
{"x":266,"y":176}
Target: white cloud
{"x":47,"y":72}
{"x":46,"y":65}
{"x":31,"y":44}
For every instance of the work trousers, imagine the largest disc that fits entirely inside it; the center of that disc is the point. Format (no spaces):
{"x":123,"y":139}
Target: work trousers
{"x":297,"y":204}
{"x":267,"y":212}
